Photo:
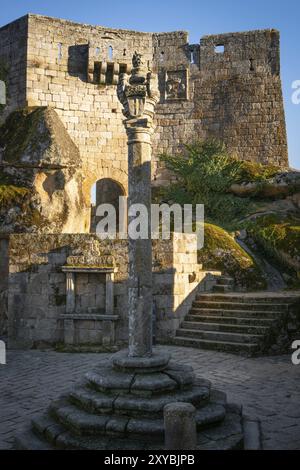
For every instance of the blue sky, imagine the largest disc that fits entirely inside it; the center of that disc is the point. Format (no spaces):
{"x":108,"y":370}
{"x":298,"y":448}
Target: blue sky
{"x":199,"y":18}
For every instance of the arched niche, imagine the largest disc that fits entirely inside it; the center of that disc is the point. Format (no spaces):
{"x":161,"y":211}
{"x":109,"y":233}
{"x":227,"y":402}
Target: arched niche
{"x":105,"y":191}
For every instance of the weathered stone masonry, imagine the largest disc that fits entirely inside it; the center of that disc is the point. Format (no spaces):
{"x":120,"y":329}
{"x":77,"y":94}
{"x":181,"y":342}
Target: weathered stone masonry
{"x":235,"y":95}
{"x":37,"y":288}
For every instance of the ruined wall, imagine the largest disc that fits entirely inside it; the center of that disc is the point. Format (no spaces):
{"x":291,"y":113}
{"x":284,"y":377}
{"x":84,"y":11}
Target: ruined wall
{"x":241,"y":88}
{"x":234,"y":95}
{"x":13,"y":57}
{"x":37,"y":287}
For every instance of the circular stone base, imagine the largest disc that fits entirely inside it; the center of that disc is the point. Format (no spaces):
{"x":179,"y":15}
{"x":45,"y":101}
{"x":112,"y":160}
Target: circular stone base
{"x":120,"y":406}
{"x":155,"y":363}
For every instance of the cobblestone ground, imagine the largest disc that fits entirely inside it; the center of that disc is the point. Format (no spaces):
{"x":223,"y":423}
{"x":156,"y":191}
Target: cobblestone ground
{"x":268,"y":387}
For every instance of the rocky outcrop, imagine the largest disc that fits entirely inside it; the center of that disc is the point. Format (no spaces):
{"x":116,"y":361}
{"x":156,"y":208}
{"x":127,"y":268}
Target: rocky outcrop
{"x":40,"y":178}
{"x":281,"y":185}
{"x":220,"y":251}
{"x":278,"y":235}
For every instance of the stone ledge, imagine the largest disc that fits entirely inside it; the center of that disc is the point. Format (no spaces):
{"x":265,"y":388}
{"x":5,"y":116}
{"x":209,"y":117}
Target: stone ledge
{"x":156,"y":362}
{"x":88,"y":316}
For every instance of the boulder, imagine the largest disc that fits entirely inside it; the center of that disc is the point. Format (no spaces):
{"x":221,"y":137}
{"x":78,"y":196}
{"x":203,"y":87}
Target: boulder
{"x":40,"y":175}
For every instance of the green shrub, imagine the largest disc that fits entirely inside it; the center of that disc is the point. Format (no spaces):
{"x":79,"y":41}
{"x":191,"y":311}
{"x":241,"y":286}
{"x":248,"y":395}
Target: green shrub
{"x":205,"y":172}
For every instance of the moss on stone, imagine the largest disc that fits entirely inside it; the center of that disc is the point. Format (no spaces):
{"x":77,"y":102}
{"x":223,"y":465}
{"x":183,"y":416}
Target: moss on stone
{"x":279,"y":235}
{"x":223,"y":253}
{"x":11,"y":195}
{"x":36,"y":137}
{"x":19,"y":137}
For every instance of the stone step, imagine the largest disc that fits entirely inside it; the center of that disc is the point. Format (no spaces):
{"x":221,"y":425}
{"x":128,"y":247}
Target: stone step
{"x":225,"y":280}
{"x":139,"y":405}
{"x":236,"y":320}
{"x":225,"y":346}
{"x":104,"y":378}
{"x":229,"y":435}
{"x":222,"y":288}
{"x":198,"y":395}
{"x":227,"y":327}
{"x":83,"y":423}
{"x":58,"y":436}
{"x":233,"y":305}
{"x":236,"y":313}
{"x":214,"y":423}
{"x":73,"y":418}
{"x":219,"y":336}
{"x":246,"y":298}
{"x":69,"y":441}
{"x":28,"y":440}
{"x":92,"y":400}
{"x":47,"y":428}
{"x":209,"y":415}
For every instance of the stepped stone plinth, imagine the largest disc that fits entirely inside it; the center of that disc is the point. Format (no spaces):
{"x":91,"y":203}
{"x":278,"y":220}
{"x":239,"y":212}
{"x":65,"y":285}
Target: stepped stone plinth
{"x":119,"y":405}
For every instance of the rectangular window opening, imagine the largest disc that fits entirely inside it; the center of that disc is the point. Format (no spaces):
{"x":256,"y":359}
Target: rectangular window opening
{"x":219,"y":49}
{"x":109,"y":74}
{"x":123,"y":68}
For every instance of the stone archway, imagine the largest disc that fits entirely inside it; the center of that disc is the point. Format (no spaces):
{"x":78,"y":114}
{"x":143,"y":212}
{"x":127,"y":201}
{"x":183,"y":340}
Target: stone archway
{"x":107,"y":191}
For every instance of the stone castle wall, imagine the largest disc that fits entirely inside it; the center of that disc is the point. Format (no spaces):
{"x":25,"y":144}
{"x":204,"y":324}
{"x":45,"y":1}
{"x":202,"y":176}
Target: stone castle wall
{"x":13,"y":63}
{"x":234,"y":95}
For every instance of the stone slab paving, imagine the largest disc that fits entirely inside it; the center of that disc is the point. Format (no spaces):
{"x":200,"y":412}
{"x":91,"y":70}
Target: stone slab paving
{"x":268,"y":387}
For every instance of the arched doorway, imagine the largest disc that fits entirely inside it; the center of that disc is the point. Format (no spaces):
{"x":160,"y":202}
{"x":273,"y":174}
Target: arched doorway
{"x":105,"y":191}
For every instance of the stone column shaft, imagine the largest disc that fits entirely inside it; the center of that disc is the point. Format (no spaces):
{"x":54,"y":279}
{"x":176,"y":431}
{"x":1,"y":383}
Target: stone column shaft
{"x":70,"y":291}
{"x":140,"y":251}
{"x":109,"y":293}
{"x":139,"y":95}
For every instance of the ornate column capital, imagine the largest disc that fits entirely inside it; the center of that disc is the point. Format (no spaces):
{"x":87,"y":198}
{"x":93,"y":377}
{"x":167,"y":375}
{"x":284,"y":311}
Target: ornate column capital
{"x":138,"y":94}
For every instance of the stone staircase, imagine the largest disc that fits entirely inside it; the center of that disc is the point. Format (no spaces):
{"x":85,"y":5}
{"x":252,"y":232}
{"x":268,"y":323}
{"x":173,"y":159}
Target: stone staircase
{"x":235,"y":322}
{"x":224,"y":284}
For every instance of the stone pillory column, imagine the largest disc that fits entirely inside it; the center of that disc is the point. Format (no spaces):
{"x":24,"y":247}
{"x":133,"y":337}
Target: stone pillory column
{"x":138,"y":96}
